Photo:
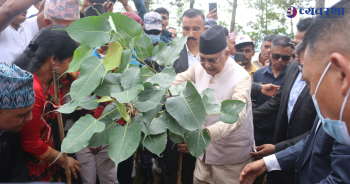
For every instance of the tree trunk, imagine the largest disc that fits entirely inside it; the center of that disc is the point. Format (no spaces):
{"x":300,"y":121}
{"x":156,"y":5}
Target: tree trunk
{"x":192,"y":3}
{"x":320,"y":3}
{"x":147,"y":4}
{"x":233,"y":21}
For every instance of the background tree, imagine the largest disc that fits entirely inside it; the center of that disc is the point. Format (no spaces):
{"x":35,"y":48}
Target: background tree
{"x":233,"y":20}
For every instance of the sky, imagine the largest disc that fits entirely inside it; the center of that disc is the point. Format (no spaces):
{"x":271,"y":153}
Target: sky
{"x":243,"y":15}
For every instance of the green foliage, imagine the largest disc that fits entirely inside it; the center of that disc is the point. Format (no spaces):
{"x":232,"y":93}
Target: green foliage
{"x":137,"y":94}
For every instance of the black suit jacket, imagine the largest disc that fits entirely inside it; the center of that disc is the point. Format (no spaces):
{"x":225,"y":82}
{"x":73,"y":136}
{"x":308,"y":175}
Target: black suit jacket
{"x":317,"y":159}
{"x":12,"y":167}
{"x":301,"y":121}
{"x":181,"y":64}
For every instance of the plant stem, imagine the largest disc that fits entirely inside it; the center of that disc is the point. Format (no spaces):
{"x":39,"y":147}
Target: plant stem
{"x":179,"y":168}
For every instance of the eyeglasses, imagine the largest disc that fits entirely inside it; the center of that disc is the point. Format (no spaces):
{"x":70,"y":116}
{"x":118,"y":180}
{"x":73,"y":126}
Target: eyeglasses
{"x":278,"y":56}
{"x":202,"y":60}
{"x":153,"y":32}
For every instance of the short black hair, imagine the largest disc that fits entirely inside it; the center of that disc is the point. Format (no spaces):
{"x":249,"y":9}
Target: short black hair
{"x":162,"y":10}
{"x":49,"y":42}
{"x":329,"y":35}
{"x":240,"y":46}
{"x":270,"y":37}
{"x":303,"y":24}
{"x":191,"y":13}
{"x":226,"y":31}
{"x":300,"y":48}
{"x":283,"y":41}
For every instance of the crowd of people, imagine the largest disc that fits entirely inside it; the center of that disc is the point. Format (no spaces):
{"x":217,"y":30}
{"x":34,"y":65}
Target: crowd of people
{"x":293,"y":128}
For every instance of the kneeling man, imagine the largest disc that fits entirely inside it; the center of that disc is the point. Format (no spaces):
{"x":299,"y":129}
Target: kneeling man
{"x":230,"y":145}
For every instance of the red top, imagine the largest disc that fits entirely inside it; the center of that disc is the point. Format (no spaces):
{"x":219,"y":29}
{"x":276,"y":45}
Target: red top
{"x":32,"y":130}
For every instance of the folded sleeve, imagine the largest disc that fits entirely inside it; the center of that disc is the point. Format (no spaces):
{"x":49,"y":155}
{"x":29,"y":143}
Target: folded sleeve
{"x":31,"y":131}
{"x":241,"y":92}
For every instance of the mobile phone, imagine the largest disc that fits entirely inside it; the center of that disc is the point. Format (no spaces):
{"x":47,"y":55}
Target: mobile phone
{"x":212,"y":6}
{"x":239,"y":58}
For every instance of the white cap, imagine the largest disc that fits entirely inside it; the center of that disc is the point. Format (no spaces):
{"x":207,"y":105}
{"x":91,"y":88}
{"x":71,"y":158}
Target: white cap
{"x":243,"y":39}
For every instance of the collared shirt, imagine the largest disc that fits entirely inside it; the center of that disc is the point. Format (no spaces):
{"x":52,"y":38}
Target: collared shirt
{"x":297,"y":88}
{"x":191,"y":58}
{"x":266,"y":75}
{"x":13,"y":42}
{"x":253,"y":70}
{"x":256,"y":60}
{"x":271,"y":161}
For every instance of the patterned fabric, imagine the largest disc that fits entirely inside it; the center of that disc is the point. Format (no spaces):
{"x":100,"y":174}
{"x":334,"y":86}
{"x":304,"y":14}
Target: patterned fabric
{"x":210,"y":22}
{"x":16,"y":87}
{"x":62,"y":9}
{"x":232,"y":35}
{"x":153,"y":21}
{"x":40,"y":170}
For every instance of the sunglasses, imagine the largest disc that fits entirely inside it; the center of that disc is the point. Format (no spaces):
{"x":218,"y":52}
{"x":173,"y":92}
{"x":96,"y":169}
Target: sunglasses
{"x":153,"y":32}
{"x":278,"y":56}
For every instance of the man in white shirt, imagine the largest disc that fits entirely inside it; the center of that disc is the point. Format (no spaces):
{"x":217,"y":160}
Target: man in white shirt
{"x":260,"y":58}
{"x":192,"y":26}
{"x":16,"y":31}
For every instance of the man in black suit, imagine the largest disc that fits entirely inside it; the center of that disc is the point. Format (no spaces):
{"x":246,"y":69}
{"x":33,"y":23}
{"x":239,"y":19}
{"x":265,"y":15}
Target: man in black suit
{"x":16,"y":103}
{"x":192,"y":26}
{"x":296,"y":112}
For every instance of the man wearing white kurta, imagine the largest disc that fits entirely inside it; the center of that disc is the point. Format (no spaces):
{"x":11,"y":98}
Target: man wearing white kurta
{"x":231,"y":144}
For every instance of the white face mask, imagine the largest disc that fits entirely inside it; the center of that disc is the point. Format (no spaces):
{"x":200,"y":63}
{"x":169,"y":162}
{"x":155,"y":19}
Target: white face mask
{"x":335,"y":128}
{"x":103,"y":56}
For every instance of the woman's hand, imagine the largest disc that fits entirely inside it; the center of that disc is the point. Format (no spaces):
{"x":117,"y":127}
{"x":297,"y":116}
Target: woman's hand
{"x":74,"y":166}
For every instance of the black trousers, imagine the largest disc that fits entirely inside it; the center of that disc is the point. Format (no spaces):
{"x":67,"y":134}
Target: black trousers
{"x":125,"y":170}
{"x":169,"y":165}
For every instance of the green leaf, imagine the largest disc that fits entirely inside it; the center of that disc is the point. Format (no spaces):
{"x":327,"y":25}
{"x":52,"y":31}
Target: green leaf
{"x":210,"y":94}
{"x":230,"y":110}
{"x":80,"y":55}
{"x":212,"y":109}
{"x":110,"y":84}
{"x":89,"y":104}
{"x":187,"y":108}
{"x":128,"y":95}
{"x":151,"y":103}
{"x":91,"y":73}
{"x":92,"y":31}
{"x":146,"y":93}
{"x":155,"y":143}
{"x":108,"y":117}
{"x":158,"y":125}
{"x":197,"y":141}
{"x":124,"y":112}
{"x":144,"y":47}
{"x":113,"y":57}
{"x":123,"y":142}
{"x":126,"y":27}
{"x":131,"y":77}
{"x":176,"y":138}
{"x":105,"y":99}
{"x":133,"y":42}
{"x":165,"y":78}
{"x":177,"y":90}
{"x":150,"y":115}
{"x":173,"y":125}
{"x":167,"y":55}
{"x":81,"y":132}
{"x":146,"y":73}
{"x":126,"y":58}
{"x":158,"y":48}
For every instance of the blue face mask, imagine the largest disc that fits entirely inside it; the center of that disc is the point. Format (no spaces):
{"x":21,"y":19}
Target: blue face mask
{"x":154,"y":38}
{"x":335,"y":128}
